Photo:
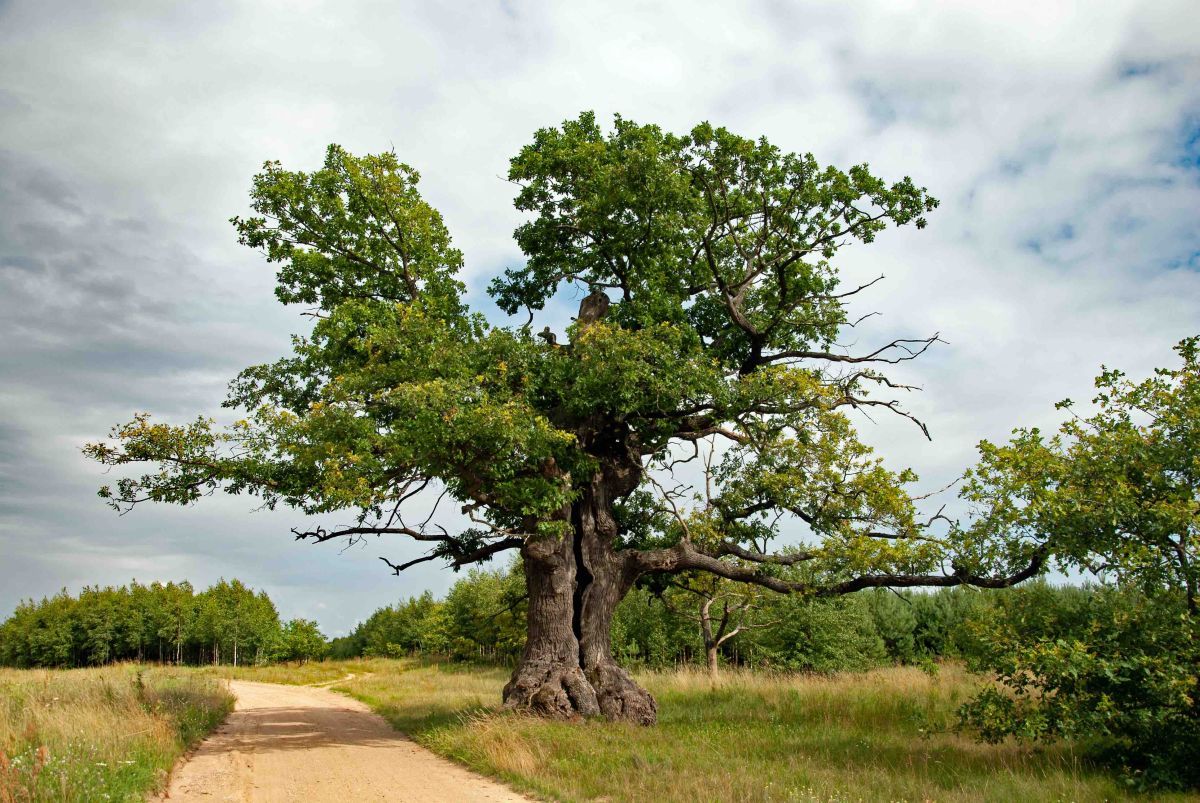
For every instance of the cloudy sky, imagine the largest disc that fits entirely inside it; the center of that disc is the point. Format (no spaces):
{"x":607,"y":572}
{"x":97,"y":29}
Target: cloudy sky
{"x":1063,"y":140}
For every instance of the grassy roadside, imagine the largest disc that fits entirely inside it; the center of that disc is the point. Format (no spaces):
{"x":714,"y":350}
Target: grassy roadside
{"x":881,"y":735}
{"x":296,"y":674}
{"x":100,"y":734}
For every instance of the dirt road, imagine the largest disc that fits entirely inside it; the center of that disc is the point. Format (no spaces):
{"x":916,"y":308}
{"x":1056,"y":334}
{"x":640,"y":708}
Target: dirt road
{"x":297,"y":743}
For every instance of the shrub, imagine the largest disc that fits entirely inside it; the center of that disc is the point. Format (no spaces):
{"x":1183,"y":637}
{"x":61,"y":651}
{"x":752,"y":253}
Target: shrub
{"x":1116,"y":670}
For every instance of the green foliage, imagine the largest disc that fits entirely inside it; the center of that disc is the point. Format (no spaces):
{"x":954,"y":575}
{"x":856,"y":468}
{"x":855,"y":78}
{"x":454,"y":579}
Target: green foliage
{"x":829,"y":635}
{"x":410,"y":627}
{"x":356,"y":229}
{"x":896,"y":623}
{"x":1115,"y":669}
{"x":1117,"y":494}
{"x":716,"y":252}
{"x":920,"y":627}
{"x":646,"y":632}
{"x":636,"y":209}
{"x":300,"y":640}
{"x":228,"y":623}
{"x":482,"y":617}
{"x":484,"y":614}
{"x":41,"y":634}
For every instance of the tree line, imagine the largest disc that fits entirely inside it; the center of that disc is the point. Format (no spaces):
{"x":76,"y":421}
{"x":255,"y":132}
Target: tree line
{"x":482,"y":617}
{"x":226,"y":623}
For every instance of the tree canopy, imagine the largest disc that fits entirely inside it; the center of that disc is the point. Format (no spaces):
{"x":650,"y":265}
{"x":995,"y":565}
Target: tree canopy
{"x":1116,"y":493}
{"x":712,"y":317}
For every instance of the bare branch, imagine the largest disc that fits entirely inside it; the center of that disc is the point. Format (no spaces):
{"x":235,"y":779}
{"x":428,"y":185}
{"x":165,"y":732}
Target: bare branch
{"x":858,"y":403}
{"x":908,"y":346}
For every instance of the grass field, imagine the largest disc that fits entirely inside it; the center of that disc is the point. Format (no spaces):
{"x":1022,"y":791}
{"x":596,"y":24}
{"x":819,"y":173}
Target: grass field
{"x":881,"y":735}
{"x":99,"y":734}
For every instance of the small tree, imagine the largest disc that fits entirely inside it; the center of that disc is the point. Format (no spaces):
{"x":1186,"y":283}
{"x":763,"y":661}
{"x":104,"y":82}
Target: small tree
{"x":720,"y":608}
{"x":711,"y":309}
{"x":1117,"y":495}
{"x":179,"y":617}
{"x":301,"y":640}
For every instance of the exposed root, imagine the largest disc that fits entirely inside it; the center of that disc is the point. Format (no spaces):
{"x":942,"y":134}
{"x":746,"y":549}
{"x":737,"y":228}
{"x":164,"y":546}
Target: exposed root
{"x":566,"y":692}
{"x":557,"y":691}
{"x":620,"y":698}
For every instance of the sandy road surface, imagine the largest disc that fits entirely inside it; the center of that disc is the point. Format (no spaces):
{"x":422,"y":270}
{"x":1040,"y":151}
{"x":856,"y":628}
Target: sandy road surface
{"x":298,"y":743}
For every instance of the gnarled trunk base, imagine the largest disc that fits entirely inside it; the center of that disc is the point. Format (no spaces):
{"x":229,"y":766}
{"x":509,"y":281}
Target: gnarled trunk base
{"x":620,"y":699}
{"x":574,"y":584}
{"x":562,"y":676}
{"x":551,"y":688}
{"x":562,"y":690}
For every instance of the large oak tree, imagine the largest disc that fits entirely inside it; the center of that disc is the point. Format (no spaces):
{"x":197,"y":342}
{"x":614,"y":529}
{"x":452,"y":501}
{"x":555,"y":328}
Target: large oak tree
{"x":711,"y":315}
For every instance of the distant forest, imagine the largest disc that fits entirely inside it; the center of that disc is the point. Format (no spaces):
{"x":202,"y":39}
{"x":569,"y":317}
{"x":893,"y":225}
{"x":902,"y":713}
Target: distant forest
{"x":169,"y":623}
{"x":482,"y":617}
{"x":697,"y":620}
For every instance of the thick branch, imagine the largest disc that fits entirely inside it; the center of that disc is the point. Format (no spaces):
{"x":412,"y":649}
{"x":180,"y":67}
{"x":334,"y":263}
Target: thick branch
{"x":474,"y":556}
{"x":449,"y":546}
{"x":684,"y":556}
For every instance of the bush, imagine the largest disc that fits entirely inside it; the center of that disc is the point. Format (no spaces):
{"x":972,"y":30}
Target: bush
{"x":1114,"y":669}
{"x":1116,"y":495}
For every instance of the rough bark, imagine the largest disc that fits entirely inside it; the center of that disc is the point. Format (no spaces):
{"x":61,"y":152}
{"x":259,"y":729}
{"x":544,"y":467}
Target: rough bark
{"x":575,"y":583}
{"x":549,"y":680}
{"x":608,"y":579}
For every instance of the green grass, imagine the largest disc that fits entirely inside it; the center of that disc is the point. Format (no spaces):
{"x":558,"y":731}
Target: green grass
{"x":100,"y":734}
{"x":881,"y":735}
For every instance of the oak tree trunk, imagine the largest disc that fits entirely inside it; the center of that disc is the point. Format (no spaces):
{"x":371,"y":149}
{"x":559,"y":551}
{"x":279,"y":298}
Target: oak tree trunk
{"x":604,"y":581}
{"x":549,"y":680}
{"x":575,"y":583}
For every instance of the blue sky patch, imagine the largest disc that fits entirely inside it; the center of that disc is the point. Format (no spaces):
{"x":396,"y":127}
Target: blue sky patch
{"x":1190,"y":143}
{"x":1139,"y":69}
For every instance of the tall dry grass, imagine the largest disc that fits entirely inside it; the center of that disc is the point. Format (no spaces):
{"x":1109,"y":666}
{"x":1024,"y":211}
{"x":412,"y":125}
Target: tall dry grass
{"x":100,"y":734}
{"x":290,"y":674}
{"x":887,"y":734}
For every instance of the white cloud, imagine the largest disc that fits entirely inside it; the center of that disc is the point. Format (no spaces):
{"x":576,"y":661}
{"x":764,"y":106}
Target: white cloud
{"x":1056,"y":135}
